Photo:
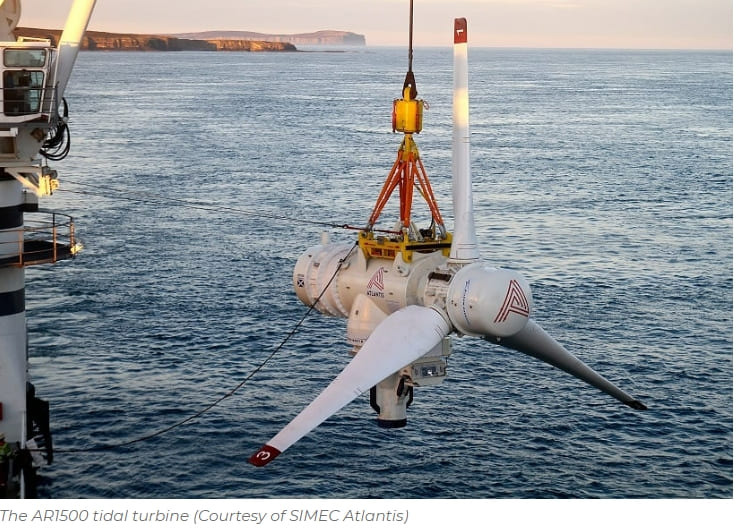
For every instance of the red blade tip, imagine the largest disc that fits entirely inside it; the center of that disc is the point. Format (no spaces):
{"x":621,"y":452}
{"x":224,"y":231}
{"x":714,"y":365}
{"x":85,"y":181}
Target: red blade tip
{"x":264,"y":455}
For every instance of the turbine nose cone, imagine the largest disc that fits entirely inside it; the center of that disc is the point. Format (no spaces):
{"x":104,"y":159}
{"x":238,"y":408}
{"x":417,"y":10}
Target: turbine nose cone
{"x":489,"y":302}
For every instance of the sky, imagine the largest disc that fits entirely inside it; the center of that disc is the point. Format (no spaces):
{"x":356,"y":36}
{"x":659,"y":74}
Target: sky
{"x":652,"y":24}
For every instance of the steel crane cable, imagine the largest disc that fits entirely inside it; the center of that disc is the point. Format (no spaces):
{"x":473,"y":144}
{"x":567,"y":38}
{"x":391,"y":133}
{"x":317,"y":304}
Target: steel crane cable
{"x":155,"y":198}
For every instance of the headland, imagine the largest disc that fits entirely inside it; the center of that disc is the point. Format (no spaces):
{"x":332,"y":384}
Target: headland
{"x":103,"y":41}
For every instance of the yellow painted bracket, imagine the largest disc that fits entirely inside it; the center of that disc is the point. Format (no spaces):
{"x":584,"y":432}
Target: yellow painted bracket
{"x":389,"y":247}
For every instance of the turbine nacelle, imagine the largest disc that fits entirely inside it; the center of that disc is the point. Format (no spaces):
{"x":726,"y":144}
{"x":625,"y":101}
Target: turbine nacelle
{"x":477,"y":300}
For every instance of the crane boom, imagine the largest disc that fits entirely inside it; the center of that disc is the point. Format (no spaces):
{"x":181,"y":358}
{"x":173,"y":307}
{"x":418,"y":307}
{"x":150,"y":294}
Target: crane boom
{"x":71,"y":40}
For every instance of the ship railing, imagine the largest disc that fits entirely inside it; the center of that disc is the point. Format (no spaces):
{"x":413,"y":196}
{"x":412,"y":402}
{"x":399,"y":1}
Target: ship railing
{"x":46,"y":237}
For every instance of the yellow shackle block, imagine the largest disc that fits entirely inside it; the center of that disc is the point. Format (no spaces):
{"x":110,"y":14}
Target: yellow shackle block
{"x":407,"y":115}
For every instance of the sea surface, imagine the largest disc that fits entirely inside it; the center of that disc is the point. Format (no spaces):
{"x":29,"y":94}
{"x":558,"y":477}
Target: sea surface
{"x":197,"y":179}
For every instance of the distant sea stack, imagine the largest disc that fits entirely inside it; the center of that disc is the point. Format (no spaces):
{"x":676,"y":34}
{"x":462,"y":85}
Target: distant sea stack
{"x":101,"y":41}
{"x":317,"y":38}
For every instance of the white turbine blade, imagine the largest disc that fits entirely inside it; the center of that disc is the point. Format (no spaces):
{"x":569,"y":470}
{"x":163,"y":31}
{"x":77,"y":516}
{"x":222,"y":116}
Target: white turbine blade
{"x":534,"y":341}
{"x":464,"y":241}
{"x":401,"y":338}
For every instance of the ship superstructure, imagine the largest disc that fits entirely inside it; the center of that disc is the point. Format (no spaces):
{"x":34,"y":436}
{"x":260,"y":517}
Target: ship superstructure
{"x":33,"y":131}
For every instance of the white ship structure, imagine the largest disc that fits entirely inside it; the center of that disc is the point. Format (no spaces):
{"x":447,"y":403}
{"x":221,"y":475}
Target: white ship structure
{"x":33,"y":131}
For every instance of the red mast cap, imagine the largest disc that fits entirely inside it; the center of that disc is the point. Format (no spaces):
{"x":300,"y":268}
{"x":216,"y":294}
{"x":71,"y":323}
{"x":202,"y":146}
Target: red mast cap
{"x":460,"y":30}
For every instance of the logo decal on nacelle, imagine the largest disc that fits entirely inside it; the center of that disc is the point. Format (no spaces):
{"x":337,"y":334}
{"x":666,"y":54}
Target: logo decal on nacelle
{"x":515,"y":302}
{"x":376,"y":285}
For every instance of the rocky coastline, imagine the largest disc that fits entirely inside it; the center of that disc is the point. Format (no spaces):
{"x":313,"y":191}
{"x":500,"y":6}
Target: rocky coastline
{"x":317,"y":38}
{"x":101,"y":41}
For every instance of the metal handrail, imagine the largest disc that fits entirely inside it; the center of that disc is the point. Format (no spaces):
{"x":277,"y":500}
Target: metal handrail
{"x":39,"y":241}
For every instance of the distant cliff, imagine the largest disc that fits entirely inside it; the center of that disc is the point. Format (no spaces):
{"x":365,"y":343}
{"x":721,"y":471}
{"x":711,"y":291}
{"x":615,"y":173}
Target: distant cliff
{"x":100,"y":41}
{"x":324,"y":38}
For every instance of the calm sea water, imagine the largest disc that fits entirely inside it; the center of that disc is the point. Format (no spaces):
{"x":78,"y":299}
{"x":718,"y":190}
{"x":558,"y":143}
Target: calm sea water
{"x":605,"y":177}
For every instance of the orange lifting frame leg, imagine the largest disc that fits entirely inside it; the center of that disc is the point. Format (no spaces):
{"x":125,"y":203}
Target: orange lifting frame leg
{"x":407,"y":171}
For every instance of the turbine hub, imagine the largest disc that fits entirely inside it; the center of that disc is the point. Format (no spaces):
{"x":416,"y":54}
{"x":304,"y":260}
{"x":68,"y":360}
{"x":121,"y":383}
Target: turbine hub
{"x":488,"y":302}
